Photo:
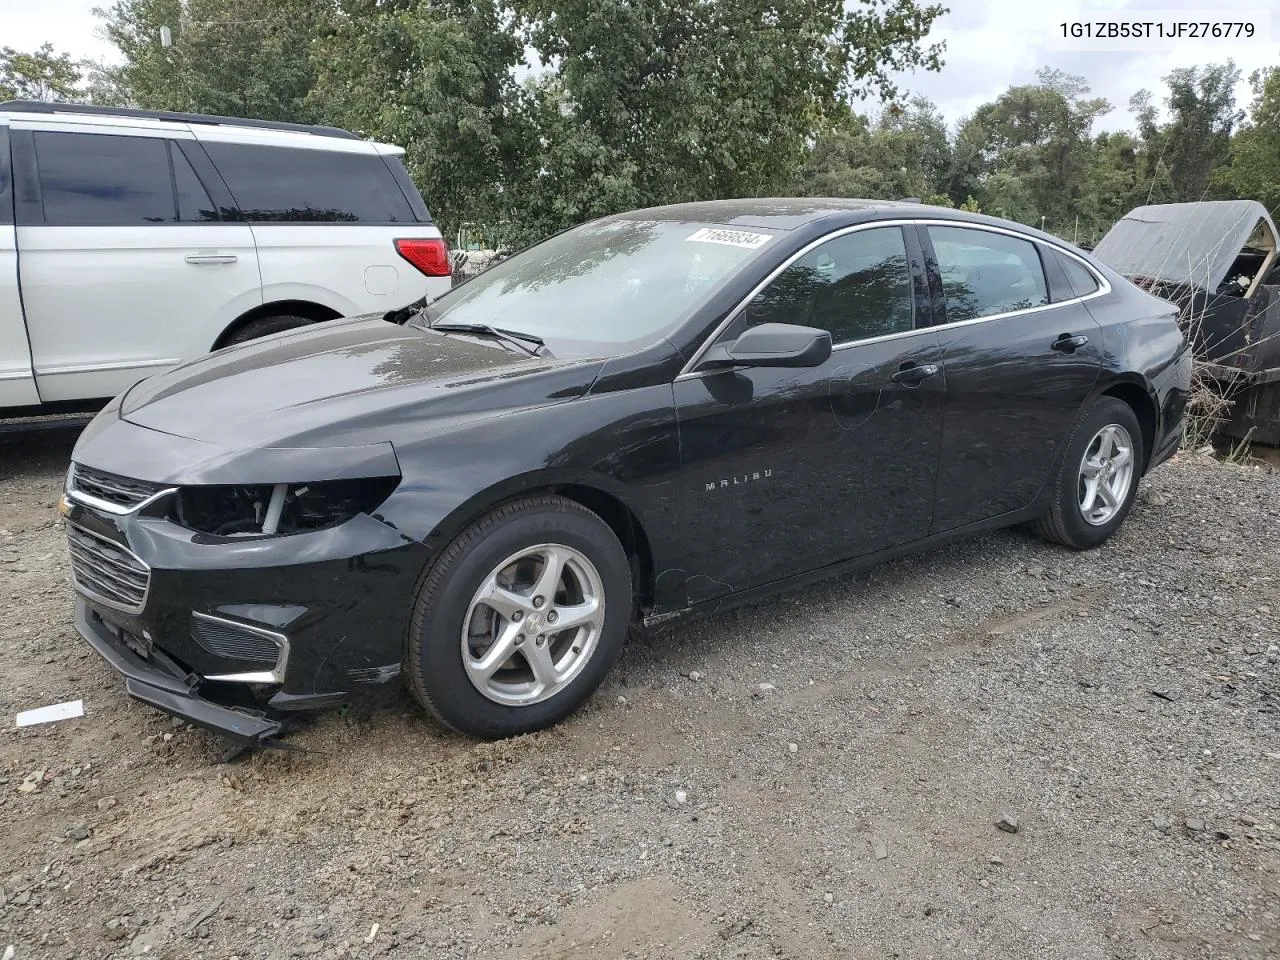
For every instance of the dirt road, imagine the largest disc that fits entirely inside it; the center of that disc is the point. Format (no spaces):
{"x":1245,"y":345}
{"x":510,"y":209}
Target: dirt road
{"x":819,"y":776}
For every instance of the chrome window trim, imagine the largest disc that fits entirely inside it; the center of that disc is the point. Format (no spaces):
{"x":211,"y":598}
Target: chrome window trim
{"x":99,"y":598}
{"x":106,"y":506}
{"x":1104,"y":287}
{"x":275,"y":674}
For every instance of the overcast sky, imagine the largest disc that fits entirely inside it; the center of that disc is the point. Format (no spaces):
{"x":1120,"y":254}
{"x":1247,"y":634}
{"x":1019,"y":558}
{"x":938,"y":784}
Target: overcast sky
{"x":990,"y":45}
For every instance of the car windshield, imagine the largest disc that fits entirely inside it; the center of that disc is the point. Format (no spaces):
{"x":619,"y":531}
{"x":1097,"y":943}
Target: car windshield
{"x":606,"y":287}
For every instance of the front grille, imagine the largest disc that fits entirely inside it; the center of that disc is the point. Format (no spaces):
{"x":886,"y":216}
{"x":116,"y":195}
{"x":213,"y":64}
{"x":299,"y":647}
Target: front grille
{"x":225,"y":639}
{"x":107,"y":571}
{"x":122,"y":492}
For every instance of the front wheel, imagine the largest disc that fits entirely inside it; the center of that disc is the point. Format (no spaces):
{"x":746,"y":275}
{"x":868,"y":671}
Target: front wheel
{"x":520,"y":619}
{"x":1097,"y":477}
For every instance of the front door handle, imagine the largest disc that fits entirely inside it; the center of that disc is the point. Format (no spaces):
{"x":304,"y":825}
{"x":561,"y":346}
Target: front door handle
{"x":201,"y":258}
{"x":1066,"y":343}
{"x":913,"y":374}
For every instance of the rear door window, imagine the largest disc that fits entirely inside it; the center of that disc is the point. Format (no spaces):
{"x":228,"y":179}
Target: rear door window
{"x":986,"y":273}
{"x":92,"y":179}
{"x":293,"y":185}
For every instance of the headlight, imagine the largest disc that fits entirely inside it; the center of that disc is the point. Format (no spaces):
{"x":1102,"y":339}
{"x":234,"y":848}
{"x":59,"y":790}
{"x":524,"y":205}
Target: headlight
{"x":266,"y":510}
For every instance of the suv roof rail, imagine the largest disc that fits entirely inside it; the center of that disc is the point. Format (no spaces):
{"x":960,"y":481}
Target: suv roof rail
{"x":36,"y":106}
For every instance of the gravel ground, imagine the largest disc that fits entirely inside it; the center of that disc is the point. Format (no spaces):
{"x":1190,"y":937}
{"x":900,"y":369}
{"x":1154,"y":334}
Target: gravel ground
{"x":818,"y":776}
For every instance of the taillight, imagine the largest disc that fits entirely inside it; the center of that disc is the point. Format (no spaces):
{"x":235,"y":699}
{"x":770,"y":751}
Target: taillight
{"x":431,"y":257}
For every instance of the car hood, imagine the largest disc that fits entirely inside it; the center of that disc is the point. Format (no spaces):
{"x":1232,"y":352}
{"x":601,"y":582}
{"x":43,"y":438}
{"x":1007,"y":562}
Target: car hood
{"x":1191,"y":244}
{"x":344,"y":382}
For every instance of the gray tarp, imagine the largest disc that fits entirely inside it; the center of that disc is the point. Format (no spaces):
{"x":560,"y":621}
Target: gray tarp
{"x":1192,"y":243}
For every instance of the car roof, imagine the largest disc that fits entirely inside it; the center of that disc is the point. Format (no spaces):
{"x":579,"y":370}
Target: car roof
{"x":775,"y":213}
{"x":792,"y":213}
{"x":91,"y":110}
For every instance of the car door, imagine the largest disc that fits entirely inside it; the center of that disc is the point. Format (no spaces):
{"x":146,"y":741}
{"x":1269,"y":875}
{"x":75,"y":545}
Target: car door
{"x":128,"y":266}
{"x":17,"y":382}
{"x":1019,"y":368}
{"x":791,"y":469}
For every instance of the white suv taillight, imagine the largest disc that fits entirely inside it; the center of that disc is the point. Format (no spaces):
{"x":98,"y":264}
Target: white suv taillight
{"x":430,"y":257}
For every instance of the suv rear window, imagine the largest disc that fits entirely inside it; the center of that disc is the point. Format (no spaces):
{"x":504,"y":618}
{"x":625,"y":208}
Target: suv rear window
{"x":293,"y":185}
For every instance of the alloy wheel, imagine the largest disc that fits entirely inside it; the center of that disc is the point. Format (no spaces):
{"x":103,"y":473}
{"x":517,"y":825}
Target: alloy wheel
{"x":1106,"y":474}
{"x":533,"y":624}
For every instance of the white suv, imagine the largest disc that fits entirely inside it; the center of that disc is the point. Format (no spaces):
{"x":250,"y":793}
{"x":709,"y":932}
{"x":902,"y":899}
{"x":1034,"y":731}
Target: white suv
{"x":132,"y":241}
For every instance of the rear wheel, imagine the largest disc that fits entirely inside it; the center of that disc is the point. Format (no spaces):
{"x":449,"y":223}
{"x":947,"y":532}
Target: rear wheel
{"x":520,"y":619}
{"x":265,"y":326}
{"x":1097,"y":477}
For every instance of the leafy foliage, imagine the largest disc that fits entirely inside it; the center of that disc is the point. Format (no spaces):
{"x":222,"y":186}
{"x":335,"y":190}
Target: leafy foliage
{"x":437,"y":79}
{"x":236,"y":58}
{"x":42,"y":75}
{"x":715,"y":99}
{"x":539,"y":114}
{"x":1254,"y":170}
{"x":904,"y":153}
{"x":1179,"y":157}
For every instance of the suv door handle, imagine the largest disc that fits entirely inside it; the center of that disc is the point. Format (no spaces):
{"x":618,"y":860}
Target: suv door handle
{"x":912,"y":374}
{"x":199,"y":258}
{"x":1068,"y":344}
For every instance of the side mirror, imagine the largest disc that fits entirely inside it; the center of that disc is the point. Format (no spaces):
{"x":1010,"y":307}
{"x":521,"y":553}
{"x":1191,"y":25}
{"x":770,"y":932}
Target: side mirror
{"x":772,"y":345}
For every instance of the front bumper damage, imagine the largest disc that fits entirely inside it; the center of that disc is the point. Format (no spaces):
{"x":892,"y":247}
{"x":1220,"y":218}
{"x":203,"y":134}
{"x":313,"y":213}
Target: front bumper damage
{"x":161,"y":683}
{"x":237,"y":635}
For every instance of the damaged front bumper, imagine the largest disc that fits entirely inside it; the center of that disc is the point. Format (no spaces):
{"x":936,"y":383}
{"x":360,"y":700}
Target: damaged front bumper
{"x":161,"y":683}
{"x":236,"y":635}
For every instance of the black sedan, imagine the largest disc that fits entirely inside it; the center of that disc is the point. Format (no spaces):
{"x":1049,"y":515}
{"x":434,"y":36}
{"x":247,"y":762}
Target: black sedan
{"x":657,"y":413}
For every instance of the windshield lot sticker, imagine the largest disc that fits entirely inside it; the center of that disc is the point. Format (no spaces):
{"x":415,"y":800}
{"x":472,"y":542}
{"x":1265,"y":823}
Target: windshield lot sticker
{"x":730,"y":238}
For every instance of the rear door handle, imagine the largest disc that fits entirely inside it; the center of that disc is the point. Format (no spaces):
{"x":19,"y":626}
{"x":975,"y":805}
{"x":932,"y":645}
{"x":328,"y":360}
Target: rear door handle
{"x":1068,"y":344}
{"x":913,"y":374}
{"x":200,"y":258}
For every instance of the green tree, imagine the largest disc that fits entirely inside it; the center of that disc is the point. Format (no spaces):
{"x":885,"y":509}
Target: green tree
{"x":1025,"y":154}
{"x":104,"y":86}
{"x":905,"y":152}
{"x":624,"y":103}
{"x":1111,"y":186}
{"x":42,"y":75}
{"x":1178,"y":158}
{"x":436,"y":77}
{"x":669,"y":101}
{"x":240,"y":58}
{"x":1254,"y":171}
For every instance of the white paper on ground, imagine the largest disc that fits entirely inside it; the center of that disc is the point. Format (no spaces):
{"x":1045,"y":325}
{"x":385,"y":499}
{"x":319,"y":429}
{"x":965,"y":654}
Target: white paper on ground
{"x":57,"y":711}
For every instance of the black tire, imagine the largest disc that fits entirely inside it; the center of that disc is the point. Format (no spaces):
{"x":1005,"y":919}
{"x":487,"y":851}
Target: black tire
{"x":265,"y":326}
{"x":1064,"y":522}
{"x":433,"y":660}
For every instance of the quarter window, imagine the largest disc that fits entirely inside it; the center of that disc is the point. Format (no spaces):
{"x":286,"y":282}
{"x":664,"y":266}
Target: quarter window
{"x":856,"y":286}
{"x":985,"y":273}
{"x":299,"y":185}
{"x":1081,"y":279}
{"x":92,"y":179}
